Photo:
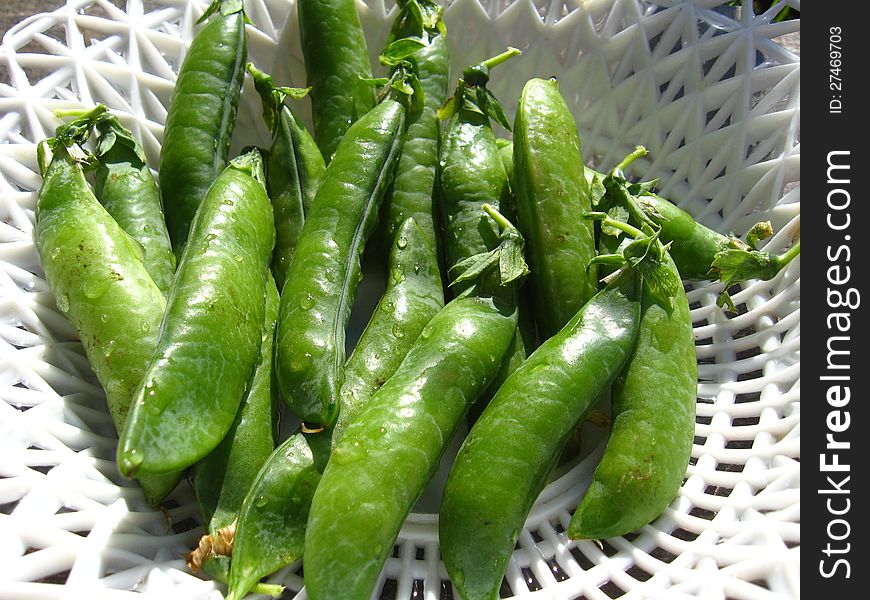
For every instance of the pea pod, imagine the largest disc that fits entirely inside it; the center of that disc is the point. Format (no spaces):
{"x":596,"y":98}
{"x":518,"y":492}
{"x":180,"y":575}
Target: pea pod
{"x":471,"y":173}
{"x":552,"y":197}
{"x":413,"y":296}
{"x":411,"y":195}
{"x":210,"y":334}
{"x":125,"y":186}
{"x":222,"y":479}
{"x":504,"y":461}
{"x":294,"y":167}
{"x":201,"y":115}
{"x":271,"y":526}
{"x":391,"y":448}
{"x":336,"y":62}
{"x":96,"y":273}
{"x":322,"y":281}
{"x":698,"y":251}
{"x":653,"y":407}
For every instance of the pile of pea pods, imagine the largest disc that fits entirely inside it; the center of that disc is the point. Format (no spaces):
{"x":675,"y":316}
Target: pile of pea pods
{"x":522,"y":287}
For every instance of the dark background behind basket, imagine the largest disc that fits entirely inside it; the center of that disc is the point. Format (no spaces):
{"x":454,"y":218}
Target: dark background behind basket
{"x":13,"y":12}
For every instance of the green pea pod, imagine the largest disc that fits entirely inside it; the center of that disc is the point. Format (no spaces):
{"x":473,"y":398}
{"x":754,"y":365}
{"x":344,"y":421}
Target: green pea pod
{"x":699,"y":252}
{"x":321,"y":284}
{"x":96,"y":273}
{"x":411,"y":195}
{"x":210,"y":335}
{"x":125,"y":186}
{"x":336,"y":62}
{"x":222,"y":479}
{"x":471,"y":173}
{"x":414,"y":295}
{"x":294,"y":167}
{"x":504,"y":462}
{"x":552,"y":198}
{"x":271,"y":526}
{"x":391,"y":448}
{"x":653,"y":408}
{"x":704,"y":253}
{"x":201,"y":115}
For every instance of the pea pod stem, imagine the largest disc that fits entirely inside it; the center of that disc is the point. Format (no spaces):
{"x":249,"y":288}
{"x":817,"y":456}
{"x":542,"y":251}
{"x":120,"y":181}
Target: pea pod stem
{"x":638,"y":152}
{"x":498,"y":59}
{"x":789,"y":255}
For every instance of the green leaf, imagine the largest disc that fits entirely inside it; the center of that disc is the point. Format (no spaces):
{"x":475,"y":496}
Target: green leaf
{"x":471,"y":268}
{"x":617,"y":213}
{"x":740,"y":265}
{"x":375,"y":82}
{"x":512,"y":266}
{"x":400,"y":50}
{"x":642,"y":188}
{"x":597,"y":190}
{"x":724,"y":300}
{"x":112,"y":134}
{"x":225,"y":7}
{"x":449,"y":108}
{"x":416,"y":11}
{"x":664,"y":284}
{"x":491,"y":107}
{"x":508,"y":256}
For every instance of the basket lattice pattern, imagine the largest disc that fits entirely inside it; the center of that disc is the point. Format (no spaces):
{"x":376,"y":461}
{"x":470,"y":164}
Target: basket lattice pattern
{"x":703,"y":84}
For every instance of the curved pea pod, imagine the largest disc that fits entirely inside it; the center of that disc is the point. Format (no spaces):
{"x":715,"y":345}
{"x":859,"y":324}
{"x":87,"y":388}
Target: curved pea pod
{"x":123,"y":183}
{"x":271,"y":528}
{"x":222,"y":479}
{"x":96,"y":273}
{"x":414,"y":295}
{"x":294,"y":167}
{"x":201,"y":115}
{"x":412,"y":192}
{"x":703,"y":253}
{"x":552,"y":198}
{"x":336,"y":62}
{"x":390,"y":450}
{"x":653,"y":408}
{"x":321,"y":284}
{"x":504,"y":461}
{"x":210,"y":334}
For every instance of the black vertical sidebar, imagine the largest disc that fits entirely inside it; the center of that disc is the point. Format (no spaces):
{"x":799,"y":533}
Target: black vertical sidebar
{"x":835,"y":460}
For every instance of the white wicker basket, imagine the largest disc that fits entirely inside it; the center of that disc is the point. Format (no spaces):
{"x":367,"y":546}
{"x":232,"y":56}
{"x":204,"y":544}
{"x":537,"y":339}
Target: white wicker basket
{"x":703,"y":85}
